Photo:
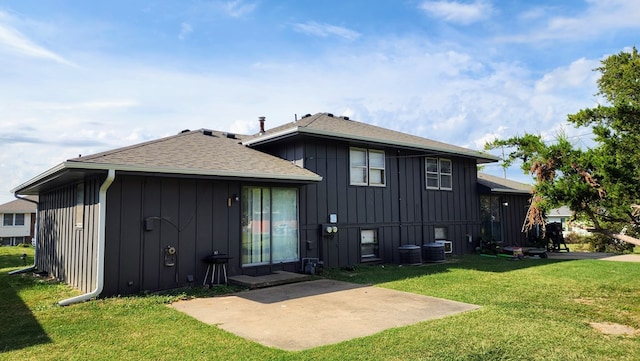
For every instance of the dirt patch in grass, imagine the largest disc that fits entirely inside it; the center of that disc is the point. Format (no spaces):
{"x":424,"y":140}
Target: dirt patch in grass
{"x":585,"y":301}
{"x":614,"y":329}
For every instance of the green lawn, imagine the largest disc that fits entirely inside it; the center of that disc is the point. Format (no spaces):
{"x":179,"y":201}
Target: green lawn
{"x":531,"y":310}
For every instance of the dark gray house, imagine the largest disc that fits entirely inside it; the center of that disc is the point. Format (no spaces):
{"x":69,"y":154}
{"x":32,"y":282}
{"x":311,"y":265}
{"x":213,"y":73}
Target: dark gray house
{"x":142,"y":218}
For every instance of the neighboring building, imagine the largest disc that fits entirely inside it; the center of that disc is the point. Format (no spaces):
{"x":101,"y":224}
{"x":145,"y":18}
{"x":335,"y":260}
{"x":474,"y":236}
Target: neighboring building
{"x":560,"y":215}
{"x":563,"y":216}
{"x":18,"y":221}
{"x":322,"y":187}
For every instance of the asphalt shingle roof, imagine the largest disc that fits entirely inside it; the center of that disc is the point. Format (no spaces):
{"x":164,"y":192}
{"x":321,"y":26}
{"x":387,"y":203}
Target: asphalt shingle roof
{"x":497,"y":184}
{"x":195,"y":153}
{"x":20,"y":206}
{"x":200,"y":152}
{"x":327,"y":125}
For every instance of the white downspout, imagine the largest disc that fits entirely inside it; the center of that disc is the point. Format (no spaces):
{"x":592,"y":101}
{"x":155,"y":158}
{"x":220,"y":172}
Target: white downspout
{"x":35,"y":251}
{"x":102,"y":216}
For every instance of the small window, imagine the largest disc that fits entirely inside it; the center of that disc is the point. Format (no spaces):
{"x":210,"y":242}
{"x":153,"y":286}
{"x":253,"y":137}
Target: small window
{"x":13,"y":219}
{"x":19,"y":219}
{"x":440,"y":233}
{"x":369,"y":249}
{"x":446,"y":180}
{"x":79,"y":205}
{"x":358,"y":161}
{"x":433,"y":181}
{"x":367,"y":167}
{"x":376,"y":167}
{"x":439,"y":173}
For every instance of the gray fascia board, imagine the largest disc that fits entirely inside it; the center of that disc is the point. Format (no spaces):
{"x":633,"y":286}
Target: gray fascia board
{"x":509,"y":190}
{"x":268,"y":137}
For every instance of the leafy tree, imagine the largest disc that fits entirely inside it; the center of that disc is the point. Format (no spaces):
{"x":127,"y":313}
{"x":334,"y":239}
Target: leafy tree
{"x":602,"y":183}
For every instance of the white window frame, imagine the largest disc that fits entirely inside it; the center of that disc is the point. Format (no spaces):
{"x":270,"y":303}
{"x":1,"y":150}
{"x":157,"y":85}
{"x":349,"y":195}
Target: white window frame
{"x":266,"y":238}
{"x":439,"y":174}
{"x":375,"y":168}
{"x":369,"y":240}
{"x":444,"y":174}
{"x":13,"y":217}
{"x":361,"y":168}
{"x":79,"y":207}
{"x":367,"y":169}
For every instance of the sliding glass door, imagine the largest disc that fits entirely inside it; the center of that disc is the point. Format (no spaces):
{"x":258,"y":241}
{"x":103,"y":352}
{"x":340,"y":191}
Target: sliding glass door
{"x":269,"y":225}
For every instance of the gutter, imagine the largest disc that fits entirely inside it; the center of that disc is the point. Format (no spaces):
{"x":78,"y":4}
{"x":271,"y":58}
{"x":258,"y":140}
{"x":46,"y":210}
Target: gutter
{"x":35,"y":252}
{"x":509,"y":190}
{"x":102,"y":204}
{"x":73,"y":165}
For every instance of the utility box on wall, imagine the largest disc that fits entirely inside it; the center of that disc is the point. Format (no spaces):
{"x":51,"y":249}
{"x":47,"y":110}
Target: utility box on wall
{"x":329,"y":230}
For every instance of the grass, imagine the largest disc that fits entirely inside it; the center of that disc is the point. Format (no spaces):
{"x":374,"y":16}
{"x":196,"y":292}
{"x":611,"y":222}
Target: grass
{"x":531,"y":310}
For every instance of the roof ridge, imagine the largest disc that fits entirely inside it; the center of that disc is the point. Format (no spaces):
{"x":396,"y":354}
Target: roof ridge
{"x":135,"y":146}
{"x":314,"y":118}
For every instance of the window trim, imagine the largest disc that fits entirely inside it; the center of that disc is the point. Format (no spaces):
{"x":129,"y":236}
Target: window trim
{"x":439,"y":174}
{"x":268,"y":253}
{"x":443,"y":174}
{"x":14,"y":217}
{"x":375,"y":245}
{"x":372,"y":168}
{"x":364,"y":169}
{"x":79,"y":206}
{"x":368,"y":168}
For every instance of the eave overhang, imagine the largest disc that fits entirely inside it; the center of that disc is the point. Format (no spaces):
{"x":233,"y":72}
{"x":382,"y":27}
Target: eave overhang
{"x":267,"y":137}
{"x":66,"y":169}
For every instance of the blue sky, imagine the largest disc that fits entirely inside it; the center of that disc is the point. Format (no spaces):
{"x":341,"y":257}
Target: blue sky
{"x":79,"y":77}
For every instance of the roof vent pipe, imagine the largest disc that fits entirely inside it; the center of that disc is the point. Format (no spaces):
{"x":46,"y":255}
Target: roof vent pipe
{"x":261,"y":120}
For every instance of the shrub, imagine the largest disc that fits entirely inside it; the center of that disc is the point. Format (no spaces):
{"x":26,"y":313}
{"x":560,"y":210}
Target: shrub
{"x":603,"y":243}
{"x":576,"y":238}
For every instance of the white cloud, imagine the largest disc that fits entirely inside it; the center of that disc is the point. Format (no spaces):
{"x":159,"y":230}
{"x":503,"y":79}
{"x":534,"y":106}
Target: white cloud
{"x":95,"y":105}
{"x":185,"y":30}
{"x":13,"y":41}
{"x":577,"y":74}
{"x":498,"y":133}
{"x":599,"y":18}
{"x":534,"y":13}
{"x":238,"y":8}
{"x":458,"y":12}
{"x":326,"y":30}
{"x":409,"y":84}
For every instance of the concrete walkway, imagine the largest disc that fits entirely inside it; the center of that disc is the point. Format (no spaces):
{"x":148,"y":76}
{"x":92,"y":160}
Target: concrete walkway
{"x":309,"y":314}
{"x":594,"y":255}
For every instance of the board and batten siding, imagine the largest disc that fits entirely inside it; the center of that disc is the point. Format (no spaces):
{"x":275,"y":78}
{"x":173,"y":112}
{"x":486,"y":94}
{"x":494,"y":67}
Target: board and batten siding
{"x":147,"y":214}
{"x":513,"y":216}
{"x":67,"y":251}
{"x":402,"y":212}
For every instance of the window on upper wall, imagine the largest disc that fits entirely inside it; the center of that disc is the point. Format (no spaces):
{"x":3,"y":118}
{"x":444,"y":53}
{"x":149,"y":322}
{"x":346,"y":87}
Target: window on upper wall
{"x":13,"y":219}
{"x":439,"y":173}
{"x":367,"y":167}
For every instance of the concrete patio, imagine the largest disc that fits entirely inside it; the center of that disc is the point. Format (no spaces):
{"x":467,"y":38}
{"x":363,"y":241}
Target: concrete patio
{"x":304,"y":315}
